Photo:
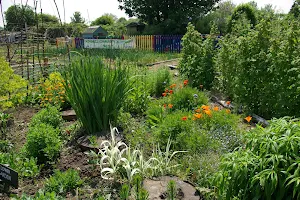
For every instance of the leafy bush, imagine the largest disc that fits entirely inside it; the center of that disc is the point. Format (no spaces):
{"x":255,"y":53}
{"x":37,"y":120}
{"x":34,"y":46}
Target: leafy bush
{"x":43,"y":142}
{"x":268,"y":168}
{"x":184,"y":133}
{"x":222,"y":126}
{"x":159,"y":80}
{"x":261,"y":68}
{"x":26,"y":167}
{"x":138,"y":98}
{"x":96,"y":92}
{"x":187,"y":98}
{"x":52,"y":91}
{"x":197,"y":59}
{"x":63,"y":182}
{"x":11,"y":86}
{"x":49,"y":115}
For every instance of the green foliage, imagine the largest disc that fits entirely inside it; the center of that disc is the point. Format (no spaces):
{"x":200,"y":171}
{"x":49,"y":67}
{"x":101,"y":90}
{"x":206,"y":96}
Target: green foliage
{"x":43,"y":142}
{"x":223,"y":127}
{"x":243,"y":8}
{"x":159,"y":80}
{"x":26,"y":167}
{"x":125,"y":191}
{"x":295,"y":10}
{"x":96,"y":92}
{"x":166,"y":12}
{"x":187,"y":98}
{"x":268,"y":168}
{"x":49,"y":115}
{"x":46,"y":18}
{"x":40,"y":195}
{"x":138,"y":98}
{"x":106,"y":19}
{"x":11,"y":86}
{"x":197,"y":59}
{"x":185,"y":134}
{"x":260,"y":69}
{"x":172,"y":190}
{"x":4,"y":117}
{"x":17,"y":15}
{"x":63,"y":182}
{"x":77,"y":18}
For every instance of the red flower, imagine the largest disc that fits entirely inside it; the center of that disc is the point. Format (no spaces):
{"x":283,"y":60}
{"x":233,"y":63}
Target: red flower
{"x":166,"y":91}
{"x":171,"y":91}
{"x":184,"y":118}
{"x":164,"y":94}
{"x":228,"y":102}
{"x":165,"y":105}
{"x":170,"y":105}
{"x":185,"y":82}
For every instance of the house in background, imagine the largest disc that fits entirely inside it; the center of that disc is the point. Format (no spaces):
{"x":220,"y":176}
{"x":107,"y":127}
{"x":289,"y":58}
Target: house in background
{"x":135,"y":28}
{"x":94,"y":32}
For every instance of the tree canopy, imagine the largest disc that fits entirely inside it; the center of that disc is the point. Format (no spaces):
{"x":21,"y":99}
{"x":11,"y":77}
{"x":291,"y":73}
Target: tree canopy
{"x":155,"y":12}
{"x":106,"y":19}
{"x":48,"y":18}
{"x":77,"y":18}
{"x":295,"y":10}
{"x":17,"y":16}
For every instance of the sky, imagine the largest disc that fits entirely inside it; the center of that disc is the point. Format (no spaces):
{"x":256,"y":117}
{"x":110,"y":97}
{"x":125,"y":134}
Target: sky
{"x":91,"y":9}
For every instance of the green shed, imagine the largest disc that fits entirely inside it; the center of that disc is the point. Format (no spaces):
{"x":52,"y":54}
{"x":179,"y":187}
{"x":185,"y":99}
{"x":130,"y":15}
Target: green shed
{"x":94,"y":32}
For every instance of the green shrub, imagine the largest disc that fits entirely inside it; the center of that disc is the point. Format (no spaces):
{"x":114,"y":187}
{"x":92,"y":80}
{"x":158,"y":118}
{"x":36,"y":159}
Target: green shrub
{"x":187,"y":98}
{"x":268,"y":168}
{"x":63,"y":182}
{"x":96,"y":92}
{"x":159,"y":80}
{"x":43,"y":142}
{"x":261,"y":68}
{"x":11,"y":86}
{"x":26,"y":167}
{"x":139,"y":96}
{"x":223,"y":127}
{"x":184,"y":133}
{"x":196,"y":63}
{"x":49,"y":115}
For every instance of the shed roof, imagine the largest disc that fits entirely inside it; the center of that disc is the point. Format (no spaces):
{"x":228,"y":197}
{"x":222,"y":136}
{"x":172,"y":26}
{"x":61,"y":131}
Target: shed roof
{"x":91,"y":29}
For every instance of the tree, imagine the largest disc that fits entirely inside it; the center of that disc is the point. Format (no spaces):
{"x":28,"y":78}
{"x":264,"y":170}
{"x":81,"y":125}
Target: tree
{"x":155,"y":12}
{"x":48,"y":18}
{"x":17,"y":16}
{"x":295,"y":10}
{"x":220,"y":17}
{"x":77,"y":18}
{"x":106,"y":19}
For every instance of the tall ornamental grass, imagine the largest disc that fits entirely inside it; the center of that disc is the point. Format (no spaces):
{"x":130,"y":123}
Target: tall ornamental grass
{"x":96,"y":92}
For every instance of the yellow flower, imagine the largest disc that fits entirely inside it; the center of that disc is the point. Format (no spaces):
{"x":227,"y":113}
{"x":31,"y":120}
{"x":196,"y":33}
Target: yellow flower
{"x":198,"y":115}
{"x":228,"y":111}
{"x":216,"y":108}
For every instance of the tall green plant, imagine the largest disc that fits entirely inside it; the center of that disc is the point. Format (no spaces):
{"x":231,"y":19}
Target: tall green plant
{"x":96,"y":92}
{"x":269,"y":166}
{"x":197,"y":58}
{"x":261,"y":68}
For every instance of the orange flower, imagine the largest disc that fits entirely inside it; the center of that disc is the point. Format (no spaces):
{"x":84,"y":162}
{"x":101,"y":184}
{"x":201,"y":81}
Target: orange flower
{"x":166,"y":91}
{"x":204,"y":107}
{"x":228,"y":103}
{"x":198,"y":115}
{"x":185,"y":82}
{"x":62,"y":101}
{"x":170,"y":105}
{"x":48,"y":88}
{"x":228,"y":111}
{"x":171,"y":91}
{"x":248,"y":119}
{"x":216,"y":108}
{"x":165,"y":105}
{"x":184,"y":118}
{"x":208,"y":112}
{"x":174,"y":85}
{"x":164,"y":94}
{"x":198,"y":110}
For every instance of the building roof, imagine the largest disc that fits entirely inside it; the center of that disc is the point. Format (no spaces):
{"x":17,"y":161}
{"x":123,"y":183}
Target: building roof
{"x":92,"y":29}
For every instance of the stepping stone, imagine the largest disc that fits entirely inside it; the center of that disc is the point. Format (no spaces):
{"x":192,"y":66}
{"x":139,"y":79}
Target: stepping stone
{"x":69,"y":115}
